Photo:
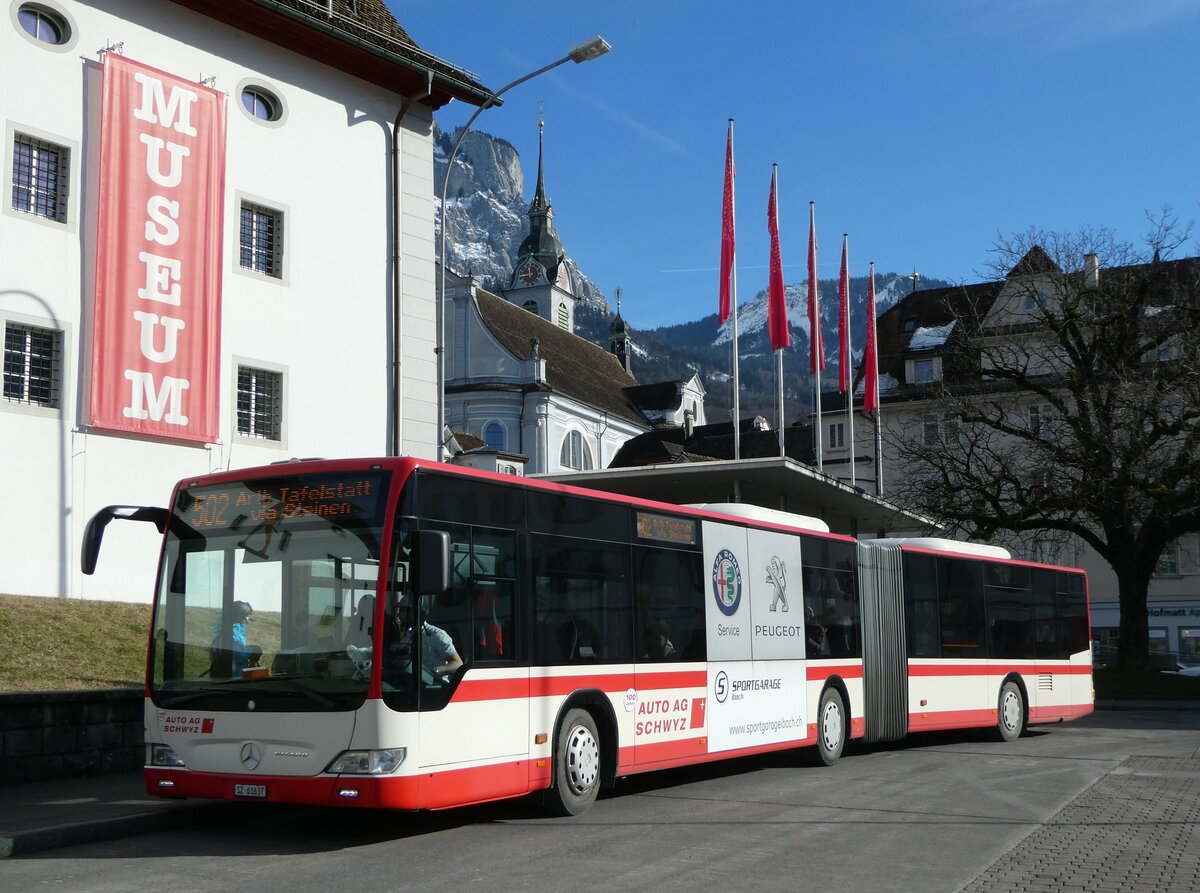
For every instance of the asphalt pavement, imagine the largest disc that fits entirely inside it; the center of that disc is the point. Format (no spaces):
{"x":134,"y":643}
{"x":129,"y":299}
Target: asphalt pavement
{"x":70,"y":812}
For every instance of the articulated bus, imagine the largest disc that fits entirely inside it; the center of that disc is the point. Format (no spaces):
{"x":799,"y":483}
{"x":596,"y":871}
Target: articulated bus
{"x":406,"y":634}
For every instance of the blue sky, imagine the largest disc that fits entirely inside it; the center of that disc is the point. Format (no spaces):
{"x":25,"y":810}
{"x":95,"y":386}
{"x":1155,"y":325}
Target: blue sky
{"x":922,"y":128}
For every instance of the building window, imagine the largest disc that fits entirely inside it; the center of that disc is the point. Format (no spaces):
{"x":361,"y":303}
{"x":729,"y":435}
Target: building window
{"x":1039,"y":413}
{"x":837,"y":435}
{"x":939,"y":429}
{"x":260,"y":104}
{"x":259,"y":403}
{"x":532,"y":307}
{"x":1168,"y":561}
{"x":32,"y":365}
{"x":909,"y":324}
{"x":564,"y":318}
{"x":924,"y":370}
{"x":43,"y":24}
{"x":261,"y":240}
{"x":39,"y":178}
{"x":575,"y":453}
{"x":493,"y":435}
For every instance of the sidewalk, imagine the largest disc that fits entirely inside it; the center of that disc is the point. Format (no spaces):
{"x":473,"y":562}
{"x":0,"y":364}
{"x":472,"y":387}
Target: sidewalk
{"x":67,"y":812}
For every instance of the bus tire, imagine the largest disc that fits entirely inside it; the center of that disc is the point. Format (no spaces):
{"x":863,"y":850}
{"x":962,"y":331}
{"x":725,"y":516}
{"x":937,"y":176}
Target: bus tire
{"x":1010,"y":712}
{"x":831,"y":726}
{"x":576,"y":765}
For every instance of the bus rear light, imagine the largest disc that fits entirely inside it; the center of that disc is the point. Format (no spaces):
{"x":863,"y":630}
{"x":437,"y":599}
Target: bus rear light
{"x":367,"y":762}
{"x":541,"y":764}
{"x":541,"y":738}
{"x":161,"y":755}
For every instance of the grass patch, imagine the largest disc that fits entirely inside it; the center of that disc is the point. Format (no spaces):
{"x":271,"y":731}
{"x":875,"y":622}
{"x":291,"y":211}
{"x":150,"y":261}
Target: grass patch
{"x":1117,"y":685}
{"x":59,"y":644}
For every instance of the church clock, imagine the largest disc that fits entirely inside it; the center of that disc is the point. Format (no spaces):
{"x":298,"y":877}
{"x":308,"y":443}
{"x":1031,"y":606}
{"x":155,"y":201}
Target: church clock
{"x":530,"y":273}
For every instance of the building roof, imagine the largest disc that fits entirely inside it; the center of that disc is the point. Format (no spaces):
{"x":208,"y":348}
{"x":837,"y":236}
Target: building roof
{"x":359,"y":37}
{"x":575,"y":367}
{"x":715,"y":441}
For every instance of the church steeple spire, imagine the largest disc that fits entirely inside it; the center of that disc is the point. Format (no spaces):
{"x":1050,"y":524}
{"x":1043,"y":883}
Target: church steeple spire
{"x":541,"y":263}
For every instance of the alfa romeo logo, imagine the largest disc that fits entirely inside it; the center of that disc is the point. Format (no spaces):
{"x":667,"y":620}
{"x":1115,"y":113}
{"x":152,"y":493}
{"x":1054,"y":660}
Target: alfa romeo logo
{"x":727,"y":582}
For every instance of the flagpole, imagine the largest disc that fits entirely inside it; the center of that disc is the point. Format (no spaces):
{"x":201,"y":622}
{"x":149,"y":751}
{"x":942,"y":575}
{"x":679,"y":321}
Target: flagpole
{"x":817,"y":358}
{"x":848,"y":353}
{"x":733,"y":309}
{"x":779,"y":353}
{"x":871,"y":382}
{"x":728,"y":288}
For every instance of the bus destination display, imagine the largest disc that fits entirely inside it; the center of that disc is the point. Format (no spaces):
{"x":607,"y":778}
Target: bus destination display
{"x":273,"y":500}
{"x":666,"y":528}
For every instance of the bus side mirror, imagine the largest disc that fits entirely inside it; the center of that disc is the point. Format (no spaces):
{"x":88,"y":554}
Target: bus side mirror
{"x":431,"y":557}
{"x":94,"y":532}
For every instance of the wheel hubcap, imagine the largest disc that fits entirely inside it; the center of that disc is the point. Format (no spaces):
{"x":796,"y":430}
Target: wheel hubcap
{"x":583,"y":760}
{"x":831,"y":727}
{"x":1011,"y":711}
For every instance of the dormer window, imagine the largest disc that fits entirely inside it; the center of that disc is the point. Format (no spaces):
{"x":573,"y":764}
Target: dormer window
{"x":923,"y":370}
{"x":909,"y":324}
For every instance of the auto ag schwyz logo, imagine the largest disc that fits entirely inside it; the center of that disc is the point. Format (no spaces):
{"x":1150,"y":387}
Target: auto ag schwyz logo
{"x":727,"y":582}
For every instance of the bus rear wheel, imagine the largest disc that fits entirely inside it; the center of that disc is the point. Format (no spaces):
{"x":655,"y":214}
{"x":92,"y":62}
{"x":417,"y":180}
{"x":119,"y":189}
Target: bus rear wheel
{"x":831,"y":726}
{"x":1010,"y":712}
{"x":576,"y":765}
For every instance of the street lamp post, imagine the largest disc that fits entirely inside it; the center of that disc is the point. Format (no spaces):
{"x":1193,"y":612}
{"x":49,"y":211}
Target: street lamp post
{"x":584,"y":52}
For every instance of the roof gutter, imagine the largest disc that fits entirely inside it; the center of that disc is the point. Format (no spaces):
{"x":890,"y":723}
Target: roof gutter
{"x":459,"y":88}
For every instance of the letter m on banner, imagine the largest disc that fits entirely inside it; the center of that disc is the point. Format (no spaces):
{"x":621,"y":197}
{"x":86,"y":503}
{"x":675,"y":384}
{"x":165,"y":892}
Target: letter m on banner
{"x":156,"y":322}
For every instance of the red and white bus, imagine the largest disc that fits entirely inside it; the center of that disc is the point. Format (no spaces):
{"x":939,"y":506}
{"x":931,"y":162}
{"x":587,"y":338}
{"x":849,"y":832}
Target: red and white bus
{"x":406,"y":634}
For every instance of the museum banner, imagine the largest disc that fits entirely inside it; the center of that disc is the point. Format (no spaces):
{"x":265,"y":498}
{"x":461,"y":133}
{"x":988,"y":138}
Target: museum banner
{"x":156,"y":324}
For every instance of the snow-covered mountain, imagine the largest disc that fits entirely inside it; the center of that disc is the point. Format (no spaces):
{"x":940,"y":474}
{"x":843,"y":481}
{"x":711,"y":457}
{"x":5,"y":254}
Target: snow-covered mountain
{"x":488,"y":218}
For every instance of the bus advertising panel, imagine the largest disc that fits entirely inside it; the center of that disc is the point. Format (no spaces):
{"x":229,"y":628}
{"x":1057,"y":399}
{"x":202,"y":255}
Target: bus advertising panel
{"x":754,"y":599}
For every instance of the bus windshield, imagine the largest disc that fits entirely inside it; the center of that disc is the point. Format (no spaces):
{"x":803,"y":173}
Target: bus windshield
{"x":267,"y":594}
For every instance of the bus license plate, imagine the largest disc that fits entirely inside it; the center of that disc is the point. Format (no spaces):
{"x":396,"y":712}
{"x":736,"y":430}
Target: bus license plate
{"x":250,"y":790}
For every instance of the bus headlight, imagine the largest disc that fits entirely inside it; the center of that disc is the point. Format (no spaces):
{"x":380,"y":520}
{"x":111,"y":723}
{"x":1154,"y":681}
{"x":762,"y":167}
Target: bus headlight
{"x":161,"y":755}
{"x":368,"y":762}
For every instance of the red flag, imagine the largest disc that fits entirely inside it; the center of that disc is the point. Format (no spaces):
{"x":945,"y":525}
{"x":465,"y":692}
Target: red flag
{"x":777,"y":322}
{"x":871,"y":364}
{"x":816,"y":350}
{"x":844,"y":318}
{"x":727,"y":240}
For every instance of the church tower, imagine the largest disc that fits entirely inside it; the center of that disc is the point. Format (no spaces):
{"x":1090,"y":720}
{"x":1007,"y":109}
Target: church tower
{"x":541,"y":282}
{"x":618,"y":338}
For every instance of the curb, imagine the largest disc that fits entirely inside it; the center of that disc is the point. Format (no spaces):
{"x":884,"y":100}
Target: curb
{"x":20,"y":843}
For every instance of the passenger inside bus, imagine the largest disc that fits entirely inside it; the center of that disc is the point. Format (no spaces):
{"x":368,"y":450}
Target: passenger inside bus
{"x":657,"y":642}
{"x":439,"y":657}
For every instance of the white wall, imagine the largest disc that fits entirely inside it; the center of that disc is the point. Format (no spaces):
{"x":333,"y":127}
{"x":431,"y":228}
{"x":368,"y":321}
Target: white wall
{"x":328,"y":166}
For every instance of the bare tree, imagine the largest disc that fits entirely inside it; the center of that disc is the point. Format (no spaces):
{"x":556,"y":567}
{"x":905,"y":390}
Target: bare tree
{"x":1070,"y":406}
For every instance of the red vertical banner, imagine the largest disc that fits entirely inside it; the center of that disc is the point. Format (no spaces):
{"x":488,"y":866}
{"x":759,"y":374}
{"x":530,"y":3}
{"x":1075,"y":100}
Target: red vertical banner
{"x":871,"y":362}
{"x":777,"y":321}
{"x":156,"y":332}
{"x":728,"y":240}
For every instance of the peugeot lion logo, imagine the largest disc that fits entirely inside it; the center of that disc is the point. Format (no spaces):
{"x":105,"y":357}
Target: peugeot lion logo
{"x":251,"y":755}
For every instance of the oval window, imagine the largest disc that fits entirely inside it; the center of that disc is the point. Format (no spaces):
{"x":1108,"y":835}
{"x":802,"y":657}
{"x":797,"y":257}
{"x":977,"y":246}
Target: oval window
{"x":260,"y":104}
{"x":43,"y":24}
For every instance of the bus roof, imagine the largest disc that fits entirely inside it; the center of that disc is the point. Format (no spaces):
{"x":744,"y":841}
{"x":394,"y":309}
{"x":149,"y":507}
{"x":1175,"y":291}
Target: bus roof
{"x":765,"y":515}
{"x":938,"y":544}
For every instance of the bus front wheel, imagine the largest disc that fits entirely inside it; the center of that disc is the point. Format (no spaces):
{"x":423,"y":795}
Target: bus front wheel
{"x":1010,"y":712}
{"x":831,"y":726}
{"x":576,"y":765}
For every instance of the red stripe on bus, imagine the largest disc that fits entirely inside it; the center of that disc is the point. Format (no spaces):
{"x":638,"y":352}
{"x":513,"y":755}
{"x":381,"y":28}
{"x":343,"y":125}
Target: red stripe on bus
{"x":986,"y":668}
{"x":473,"y":689}
{"x":823,"y":672}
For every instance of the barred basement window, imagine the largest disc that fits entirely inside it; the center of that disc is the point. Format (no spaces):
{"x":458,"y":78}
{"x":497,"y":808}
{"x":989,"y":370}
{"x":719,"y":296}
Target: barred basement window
{"x":39,"y":177}
{"x":259,"y":403}
{"x":261,"y":240}
{"x":32,"y":365}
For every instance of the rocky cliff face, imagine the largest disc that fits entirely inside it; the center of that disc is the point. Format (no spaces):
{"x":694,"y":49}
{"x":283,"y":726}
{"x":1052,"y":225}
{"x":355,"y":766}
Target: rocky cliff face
{"x":488,"y":214}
